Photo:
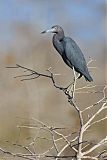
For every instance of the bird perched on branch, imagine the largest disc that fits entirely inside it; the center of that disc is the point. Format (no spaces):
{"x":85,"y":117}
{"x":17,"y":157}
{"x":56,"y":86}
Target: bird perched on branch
{"x":70,"y":52}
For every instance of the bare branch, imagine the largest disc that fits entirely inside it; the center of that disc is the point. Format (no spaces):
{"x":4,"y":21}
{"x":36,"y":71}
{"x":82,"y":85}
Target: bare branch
{"x":101,"y":153}
{"x":87,"y":125}
{"x":76,"y":144}
{"x":17,"y":154}
{"x":102,"y":119}
{"x":102,"y":142}
{"x":100,"y":101}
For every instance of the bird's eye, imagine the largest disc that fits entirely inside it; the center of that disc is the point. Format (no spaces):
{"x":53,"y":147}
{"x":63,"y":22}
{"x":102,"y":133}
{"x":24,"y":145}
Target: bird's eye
{"x":55,"y":28}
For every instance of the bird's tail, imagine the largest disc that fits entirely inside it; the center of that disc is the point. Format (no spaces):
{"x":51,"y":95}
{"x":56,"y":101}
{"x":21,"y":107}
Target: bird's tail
{"x":88,"y":77}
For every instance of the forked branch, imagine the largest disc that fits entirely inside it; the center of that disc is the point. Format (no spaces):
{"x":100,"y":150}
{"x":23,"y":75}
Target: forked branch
{"x":75,"y":144}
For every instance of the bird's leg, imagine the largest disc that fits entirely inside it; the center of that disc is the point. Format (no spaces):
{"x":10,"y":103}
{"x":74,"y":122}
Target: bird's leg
{"x":70,"y":90}
{"x":73,"y":85}
{"x":68,"y":87}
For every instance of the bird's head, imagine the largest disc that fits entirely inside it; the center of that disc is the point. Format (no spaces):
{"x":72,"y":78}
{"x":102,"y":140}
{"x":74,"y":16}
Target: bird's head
{"x":54,"y":29}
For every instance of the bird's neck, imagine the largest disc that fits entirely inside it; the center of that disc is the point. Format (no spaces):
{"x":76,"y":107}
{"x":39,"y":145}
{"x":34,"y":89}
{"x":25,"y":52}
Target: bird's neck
{"x":58,"y":42}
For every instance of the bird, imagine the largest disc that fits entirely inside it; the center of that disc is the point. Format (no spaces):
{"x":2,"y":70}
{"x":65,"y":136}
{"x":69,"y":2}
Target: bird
{"x":69,"y":51}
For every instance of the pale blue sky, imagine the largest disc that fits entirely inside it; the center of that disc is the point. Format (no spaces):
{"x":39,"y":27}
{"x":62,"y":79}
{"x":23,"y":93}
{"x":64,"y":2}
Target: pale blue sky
{"x":82,"y":18}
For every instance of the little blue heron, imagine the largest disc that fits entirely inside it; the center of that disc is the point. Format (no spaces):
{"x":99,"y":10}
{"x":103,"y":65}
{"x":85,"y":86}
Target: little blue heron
{"x":70,"y":52}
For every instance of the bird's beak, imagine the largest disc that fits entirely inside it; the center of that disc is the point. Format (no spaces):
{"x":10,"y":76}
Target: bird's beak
{"x":52,"y":30}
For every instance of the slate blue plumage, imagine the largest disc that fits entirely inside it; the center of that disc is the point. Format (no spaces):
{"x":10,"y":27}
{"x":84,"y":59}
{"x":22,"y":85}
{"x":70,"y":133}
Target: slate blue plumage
{"x":70,"y":52}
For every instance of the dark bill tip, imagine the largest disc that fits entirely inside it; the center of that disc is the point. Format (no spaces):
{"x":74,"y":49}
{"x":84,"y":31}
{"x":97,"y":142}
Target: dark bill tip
{"x":43,"y":32}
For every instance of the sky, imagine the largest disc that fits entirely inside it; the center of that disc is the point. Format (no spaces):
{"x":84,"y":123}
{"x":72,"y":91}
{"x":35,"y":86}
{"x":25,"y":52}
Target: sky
{"x":82,"y":18}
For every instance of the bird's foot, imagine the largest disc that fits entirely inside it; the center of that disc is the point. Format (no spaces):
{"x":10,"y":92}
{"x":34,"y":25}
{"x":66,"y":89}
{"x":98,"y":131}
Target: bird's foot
{"x":69,"y":91}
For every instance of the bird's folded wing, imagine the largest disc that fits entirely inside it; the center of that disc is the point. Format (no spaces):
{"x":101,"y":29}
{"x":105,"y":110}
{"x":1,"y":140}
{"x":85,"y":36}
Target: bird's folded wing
{"x":74,"y":55}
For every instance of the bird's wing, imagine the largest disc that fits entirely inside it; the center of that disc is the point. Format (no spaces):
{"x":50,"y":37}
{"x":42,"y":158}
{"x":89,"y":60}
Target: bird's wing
{"x":74,"y":55}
